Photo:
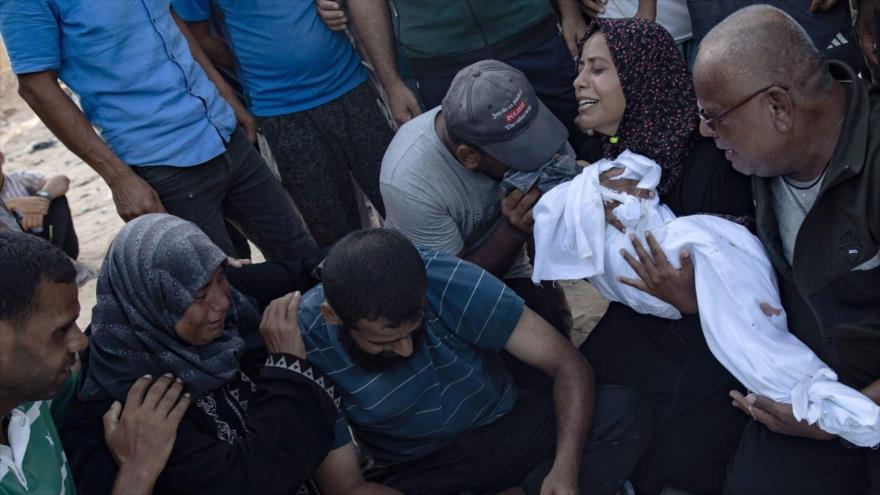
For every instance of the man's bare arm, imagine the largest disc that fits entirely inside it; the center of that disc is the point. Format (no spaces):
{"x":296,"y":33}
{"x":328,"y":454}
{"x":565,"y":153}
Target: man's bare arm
{"x":56,"y":186}
{"x":497,"y":253}
{"x":372,"y":21}
{"x":647,"y":10}
{"x":131,"y":194}
{"x":244,"y":118}
{"x":536,"y":343}
{"x":573,"y":24}
{"x":340,"y":474}
{"x":214,"y":46}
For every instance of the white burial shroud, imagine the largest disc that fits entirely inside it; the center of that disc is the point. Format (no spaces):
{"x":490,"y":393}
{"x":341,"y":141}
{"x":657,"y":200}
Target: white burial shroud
{"x":733,"y":277}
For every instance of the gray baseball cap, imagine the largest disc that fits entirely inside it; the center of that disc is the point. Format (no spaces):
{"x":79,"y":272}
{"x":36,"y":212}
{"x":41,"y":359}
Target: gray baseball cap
{"x":492,"y":105}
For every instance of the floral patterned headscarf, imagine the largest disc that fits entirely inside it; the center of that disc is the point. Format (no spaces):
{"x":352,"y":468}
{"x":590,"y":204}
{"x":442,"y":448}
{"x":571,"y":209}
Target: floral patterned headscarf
{"x":660,"y":120}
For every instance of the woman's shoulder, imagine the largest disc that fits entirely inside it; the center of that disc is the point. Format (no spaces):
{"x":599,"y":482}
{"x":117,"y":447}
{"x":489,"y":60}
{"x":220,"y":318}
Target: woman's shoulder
{"x":703,"y":151}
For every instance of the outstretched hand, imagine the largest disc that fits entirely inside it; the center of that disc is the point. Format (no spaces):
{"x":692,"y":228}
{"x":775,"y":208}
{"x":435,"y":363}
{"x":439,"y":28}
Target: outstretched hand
{"x":659,"y":278}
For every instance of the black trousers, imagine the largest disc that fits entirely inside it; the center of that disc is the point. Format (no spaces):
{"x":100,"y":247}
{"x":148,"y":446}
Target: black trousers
{"x":320,"y":150}
{"x":518,"y":450}
{"x":770,"y":463}
{"x":696,"y":430}
{"x":58,"y":227}
{"x":237,"y":186}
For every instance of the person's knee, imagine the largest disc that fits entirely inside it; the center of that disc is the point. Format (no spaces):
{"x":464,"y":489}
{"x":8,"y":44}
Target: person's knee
{"x":622,"y":414}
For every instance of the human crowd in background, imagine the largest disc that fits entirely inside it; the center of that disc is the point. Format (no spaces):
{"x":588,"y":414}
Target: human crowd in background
{"x":417,"y":176}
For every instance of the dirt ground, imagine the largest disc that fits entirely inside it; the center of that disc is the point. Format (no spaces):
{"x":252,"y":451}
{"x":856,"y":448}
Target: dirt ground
{"x":94,"y":213}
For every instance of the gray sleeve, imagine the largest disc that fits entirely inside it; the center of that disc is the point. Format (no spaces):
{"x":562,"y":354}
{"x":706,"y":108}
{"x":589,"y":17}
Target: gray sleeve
{"x":422,"y":221}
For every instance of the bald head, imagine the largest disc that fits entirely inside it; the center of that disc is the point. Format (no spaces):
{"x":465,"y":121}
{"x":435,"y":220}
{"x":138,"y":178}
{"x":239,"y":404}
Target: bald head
{"x":759,"y":46}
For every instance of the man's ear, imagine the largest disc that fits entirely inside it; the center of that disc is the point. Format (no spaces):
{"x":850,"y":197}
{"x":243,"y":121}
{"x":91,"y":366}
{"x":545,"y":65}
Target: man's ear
{"x":782,"y":108}
{"x":330,"y":315}
{"x":468,"y":156}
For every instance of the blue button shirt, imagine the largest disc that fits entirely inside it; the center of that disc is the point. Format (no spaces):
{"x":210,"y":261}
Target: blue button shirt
{"x":288,"y":59}
{"x":133,"y":71}
{"x":453,"y":382}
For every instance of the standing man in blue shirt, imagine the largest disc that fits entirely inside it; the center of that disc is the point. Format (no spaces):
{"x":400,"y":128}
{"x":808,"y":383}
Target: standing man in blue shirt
{"x":411,"y":339}
{"x":306,"y":85}
{"x":170,"y":141}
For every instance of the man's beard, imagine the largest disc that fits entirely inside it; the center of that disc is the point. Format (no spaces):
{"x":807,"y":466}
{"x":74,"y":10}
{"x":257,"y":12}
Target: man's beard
{"x":373,"y":363}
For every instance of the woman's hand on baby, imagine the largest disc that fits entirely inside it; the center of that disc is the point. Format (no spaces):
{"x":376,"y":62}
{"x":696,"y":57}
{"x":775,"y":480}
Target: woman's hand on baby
{"x":659,"y":278}
{"x":280,"y":326}
{"x":625,"y":186}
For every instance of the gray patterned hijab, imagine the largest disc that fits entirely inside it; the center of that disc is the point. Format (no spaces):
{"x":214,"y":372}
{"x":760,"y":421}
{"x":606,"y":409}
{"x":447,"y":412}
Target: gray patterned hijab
{"x":151,"y":274}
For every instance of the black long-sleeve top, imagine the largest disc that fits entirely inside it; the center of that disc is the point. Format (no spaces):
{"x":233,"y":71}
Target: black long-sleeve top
{"x":289,"y":430}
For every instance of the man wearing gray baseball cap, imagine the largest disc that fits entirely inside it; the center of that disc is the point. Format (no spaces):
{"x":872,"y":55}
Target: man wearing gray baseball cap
{"x":440,"y":175}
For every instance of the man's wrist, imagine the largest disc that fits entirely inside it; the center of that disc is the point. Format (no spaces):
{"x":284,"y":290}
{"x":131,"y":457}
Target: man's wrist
{"x":115,"y":172}
{"x":131,"y":479}
{"x":519,"y":233}
{"x":565,"y":467}
{"x":43,"y":194}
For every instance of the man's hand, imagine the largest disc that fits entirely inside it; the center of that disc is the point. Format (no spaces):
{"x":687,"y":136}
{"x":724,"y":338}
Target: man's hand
{"x":134,"y":197}
{"x":332,"y":14}
{"x":776,"y":416}
{"x":141,"y":439}
{"x":559,"y":482}
{"x":822,"y":5}
{"x":280,"y":326}
{"x":237,"y":262}
{"x":661,"y":279}
{"x":32,"y":210}
{"x":29,"y":204}
{"x":594,"y":8}
{"x":573,"y":26}
{"x":402,"y":102}
{"x":628,"y":186}
{"x":247,"y":123}
{"x":517,"y":208}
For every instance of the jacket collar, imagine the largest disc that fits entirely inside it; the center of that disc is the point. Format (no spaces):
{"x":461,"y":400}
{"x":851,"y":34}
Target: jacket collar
{"x":848,"y":158}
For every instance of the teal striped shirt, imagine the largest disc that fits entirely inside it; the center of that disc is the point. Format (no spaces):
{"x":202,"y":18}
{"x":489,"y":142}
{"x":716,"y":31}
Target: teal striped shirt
{"x":453,"y":382}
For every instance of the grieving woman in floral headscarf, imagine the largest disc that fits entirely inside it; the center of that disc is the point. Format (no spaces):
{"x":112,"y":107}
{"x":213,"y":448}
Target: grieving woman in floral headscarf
{"x":635,"y":91}
{"x":261,"y":420}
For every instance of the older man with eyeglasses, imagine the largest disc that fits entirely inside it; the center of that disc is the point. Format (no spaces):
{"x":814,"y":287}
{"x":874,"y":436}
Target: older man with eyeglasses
{"x":807,"y":131}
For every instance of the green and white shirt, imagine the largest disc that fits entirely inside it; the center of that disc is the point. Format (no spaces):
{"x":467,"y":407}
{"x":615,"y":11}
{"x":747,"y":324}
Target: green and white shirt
{"x":34,"y":461}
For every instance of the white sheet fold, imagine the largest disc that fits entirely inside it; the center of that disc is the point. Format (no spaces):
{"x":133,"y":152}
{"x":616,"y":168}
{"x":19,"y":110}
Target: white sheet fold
{"x":733,"y":277}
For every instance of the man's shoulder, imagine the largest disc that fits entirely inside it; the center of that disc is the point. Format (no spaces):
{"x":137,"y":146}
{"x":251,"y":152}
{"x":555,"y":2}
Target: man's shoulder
{"x":412,"y":148}
{"x":312,"y":323}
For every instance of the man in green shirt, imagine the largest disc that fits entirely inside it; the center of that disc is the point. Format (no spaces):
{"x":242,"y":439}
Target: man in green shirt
{"x":39,"y":340}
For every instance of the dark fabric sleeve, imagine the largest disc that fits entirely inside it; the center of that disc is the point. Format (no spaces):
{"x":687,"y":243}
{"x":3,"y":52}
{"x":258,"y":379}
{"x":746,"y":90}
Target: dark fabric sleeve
{"x":710,"y":185}
{"x":290,"y":431}
{"x":265,"y":282}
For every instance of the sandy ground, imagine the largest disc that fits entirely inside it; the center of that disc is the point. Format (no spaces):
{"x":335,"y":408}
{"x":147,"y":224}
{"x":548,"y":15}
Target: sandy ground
{"x":94,"y":213}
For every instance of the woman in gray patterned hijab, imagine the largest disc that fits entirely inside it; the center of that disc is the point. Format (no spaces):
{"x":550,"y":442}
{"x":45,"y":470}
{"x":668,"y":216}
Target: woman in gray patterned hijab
{"x":160,"y":269}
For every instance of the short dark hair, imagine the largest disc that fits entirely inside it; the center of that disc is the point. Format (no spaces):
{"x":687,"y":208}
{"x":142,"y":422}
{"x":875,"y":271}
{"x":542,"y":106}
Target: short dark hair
{"x":26,"y":260}
{"x":375,"y":274}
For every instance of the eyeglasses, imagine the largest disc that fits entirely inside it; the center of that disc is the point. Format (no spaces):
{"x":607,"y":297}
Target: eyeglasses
{"x":712,"y":122}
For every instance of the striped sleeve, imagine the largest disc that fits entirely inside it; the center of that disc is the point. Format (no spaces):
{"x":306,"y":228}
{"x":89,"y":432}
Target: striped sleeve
{"x":24,"y":183}
{"x":472,"y":303}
